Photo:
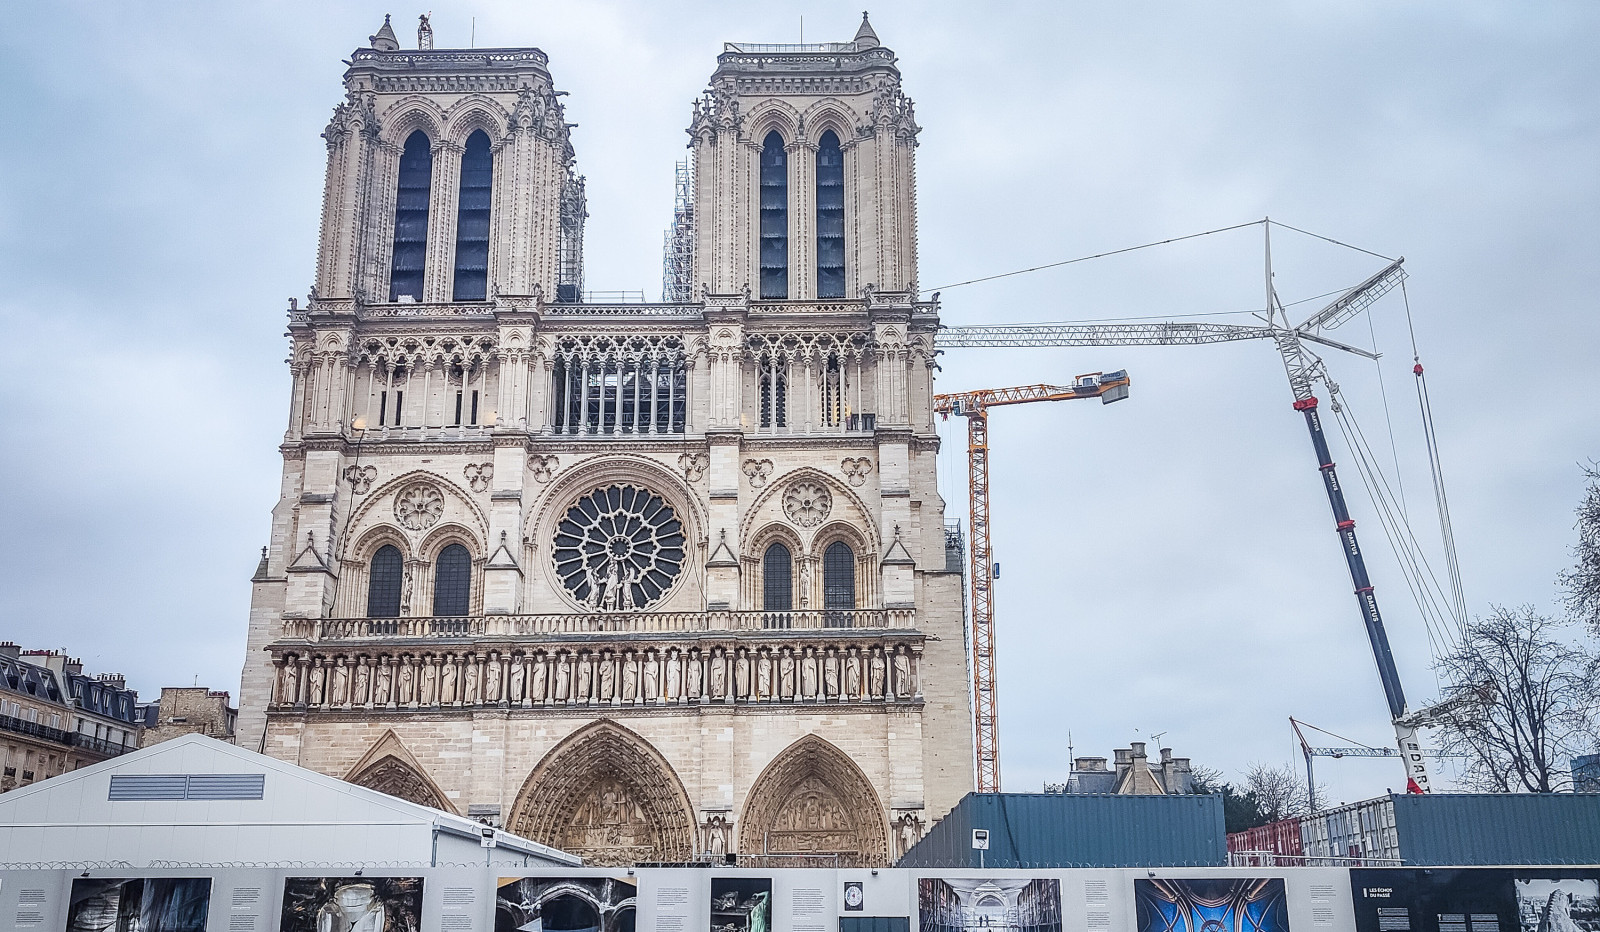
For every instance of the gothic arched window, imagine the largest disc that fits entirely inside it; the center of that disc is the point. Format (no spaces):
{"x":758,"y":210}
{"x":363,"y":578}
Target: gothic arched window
{"x":411,"y":219}
{"x":452,"y":581}
{"x":777,"y":579}
{"x":830,"y":217}
{"x":838,"y":578}
{"x":774,"y":218}
{"x":383,"y":583}
{"x":472,"y":220}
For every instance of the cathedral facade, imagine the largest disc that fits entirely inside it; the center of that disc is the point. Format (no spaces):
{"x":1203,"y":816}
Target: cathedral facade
{"x":649,"y":582}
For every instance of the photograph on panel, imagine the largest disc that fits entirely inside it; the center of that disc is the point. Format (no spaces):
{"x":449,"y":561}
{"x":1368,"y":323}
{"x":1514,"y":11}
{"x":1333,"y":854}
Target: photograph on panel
{"x":150,"y":904}
{"x":990,"y":904}
{"x":565,"y":904}
{"x":741,"y":904}
{"x":1558,"y":904}
{"x":352,"y":904}
{"x":1202,"y":904}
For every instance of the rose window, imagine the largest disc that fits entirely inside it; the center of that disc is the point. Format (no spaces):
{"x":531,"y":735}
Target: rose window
{"x":807,"y":503}
{"x":419,"y":506}
{"x":619,"y":548}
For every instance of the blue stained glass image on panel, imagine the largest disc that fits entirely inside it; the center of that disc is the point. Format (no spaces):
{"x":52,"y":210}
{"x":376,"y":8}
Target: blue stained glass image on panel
{"x":1212,"y":905}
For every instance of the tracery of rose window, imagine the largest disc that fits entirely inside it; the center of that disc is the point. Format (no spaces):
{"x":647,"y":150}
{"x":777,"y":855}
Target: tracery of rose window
{"x":619,"y":548}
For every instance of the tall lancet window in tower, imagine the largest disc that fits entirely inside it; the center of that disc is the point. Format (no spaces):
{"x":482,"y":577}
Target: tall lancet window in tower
{"x":830,"y":217}
{"x":838,"y":578}
{"x":777,"y":579}
{"x":452,"y":581}
{"x":472,"y":220}
{"x":411,"y":219}
{"x":383,"y":583}
{"x":774,"y":218}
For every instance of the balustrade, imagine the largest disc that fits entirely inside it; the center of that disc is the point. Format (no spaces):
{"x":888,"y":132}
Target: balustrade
{"x":880,"y":668}
{"x":477,"y":626}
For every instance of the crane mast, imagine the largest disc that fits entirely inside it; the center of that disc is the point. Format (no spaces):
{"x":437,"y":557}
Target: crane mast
{"x":1303,"y":369}
{"x":974,"y":406}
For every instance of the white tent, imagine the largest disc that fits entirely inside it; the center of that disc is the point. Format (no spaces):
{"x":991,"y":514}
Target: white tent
{"x":195,"y":800}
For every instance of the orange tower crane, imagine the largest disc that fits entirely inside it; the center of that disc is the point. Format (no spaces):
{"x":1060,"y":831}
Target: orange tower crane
{"x":974,"y":406}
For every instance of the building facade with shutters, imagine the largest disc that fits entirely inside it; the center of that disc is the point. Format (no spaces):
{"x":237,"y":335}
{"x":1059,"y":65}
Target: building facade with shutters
{"x":643,"y":581}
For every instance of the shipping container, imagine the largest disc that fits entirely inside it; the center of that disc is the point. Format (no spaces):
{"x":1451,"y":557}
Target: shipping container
{"x":1027,"y":830}
{"x":1500,"y":828}
{"x":1457,"y":830}
{"x":1276,"y":844}
{"x":1361,"y":833}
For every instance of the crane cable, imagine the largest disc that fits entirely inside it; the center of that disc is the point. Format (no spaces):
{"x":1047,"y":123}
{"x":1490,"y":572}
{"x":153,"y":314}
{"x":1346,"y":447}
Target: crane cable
{"x":1423,"y":583}
{"x":1436,"y":472}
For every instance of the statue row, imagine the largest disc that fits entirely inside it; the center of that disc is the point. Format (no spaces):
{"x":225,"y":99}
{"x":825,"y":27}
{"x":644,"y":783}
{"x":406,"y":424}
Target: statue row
{"x":855,"y":672}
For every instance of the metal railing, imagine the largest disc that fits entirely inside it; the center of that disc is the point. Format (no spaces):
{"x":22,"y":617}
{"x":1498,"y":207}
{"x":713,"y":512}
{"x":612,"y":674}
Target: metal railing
{"x":476,"y":626}
{"x":34,"y":729}
{"x":100,"y":745}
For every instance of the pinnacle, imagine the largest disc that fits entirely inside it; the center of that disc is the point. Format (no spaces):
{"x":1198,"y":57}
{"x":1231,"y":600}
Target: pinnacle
{"x":385,"y":39}
{"x":865,"y":37}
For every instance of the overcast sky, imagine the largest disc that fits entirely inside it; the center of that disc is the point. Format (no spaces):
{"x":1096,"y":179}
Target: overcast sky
{"x":1168,"y":563}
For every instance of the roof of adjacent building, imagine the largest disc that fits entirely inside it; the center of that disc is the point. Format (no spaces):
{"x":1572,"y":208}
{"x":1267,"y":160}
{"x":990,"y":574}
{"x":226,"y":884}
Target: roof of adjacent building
{"x":295,"y":815}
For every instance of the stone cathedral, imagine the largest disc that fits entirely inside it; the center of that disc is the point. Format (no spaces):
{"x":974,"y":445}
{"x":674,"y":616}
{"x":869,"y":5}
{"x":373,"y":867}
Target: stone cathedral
{"x":648,"y":582}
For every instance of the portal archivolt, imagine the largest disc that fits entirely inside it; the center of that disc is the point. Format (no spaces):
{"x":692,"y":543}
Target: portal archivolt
{"x":607,"y":796}
{"x":389,"y":767}
{"x":813,"y":800}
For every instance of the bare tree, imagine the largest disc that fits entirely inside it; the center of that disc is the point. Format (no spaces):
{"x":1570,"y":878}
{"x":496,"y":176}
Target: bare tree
{"x":1278,"y":790}
{"x":1534,"y":706}
{"x":1582,"y":582}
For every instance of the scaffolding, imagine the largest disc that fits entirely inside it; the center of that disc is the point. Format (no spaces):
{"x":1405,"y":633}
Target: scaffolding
{"x":569,"y":249}
{"x":677,"y":246}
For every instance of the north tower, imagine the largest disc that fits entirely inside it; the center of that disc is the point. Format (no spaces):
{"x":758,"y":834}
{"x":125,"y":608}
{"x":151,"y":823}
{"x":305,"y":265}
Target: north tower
{"x":648,"y":582}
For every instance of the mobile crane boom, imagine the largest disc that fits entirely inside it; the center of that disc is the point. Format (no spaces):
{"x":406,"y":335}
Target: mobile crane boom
{"x":1303,"y":369}
{"x":974,"y":406}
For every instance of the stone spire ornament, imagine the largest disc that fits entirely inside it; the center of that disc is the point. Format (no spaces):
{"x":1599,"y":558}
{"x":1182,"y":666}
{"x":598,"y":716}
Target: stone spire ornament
{"x":385,"y":40}
{"x":865,"y":37}
{"x":424,"y":33}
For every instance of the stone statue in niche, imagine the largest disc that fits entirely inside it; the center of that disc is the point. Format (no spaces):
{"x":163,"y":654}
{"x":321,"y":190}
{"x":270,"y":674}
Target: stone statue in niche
{"x":719,"y":674}
{"x":786,"y":674}
{"x":291,"y":681}
{"x":429,"y":684}
{"x":902,"y":672}
{"x":491,"y":679}
{"x":852,"y":673}
{"x":674,"y":676}
{"x":472,"y":680}
{"x":541,"y":674}
{"x":830,"y":675}
{"x":314,"y":692}
{"x":907,"y":832}
{"x":741,"y":675}
{"x":805,"y":582}
{"x":717,"y":831}
{"x":608,"y":677}
{"x":563,"y":677}
{"x":449,"y":682}
{"x":585,"y":678}
{"x":763,"y":675}
{"x":516,"y":679}
{"x":383,"y":682}
{"x":363,"y":686}
{"x":876,"y":670}
{"x":630,"y":678}
{"x":694,"y":675}
{"x":808,"y":674}
{"x":408,"y":681}
{"x":652,"y":677}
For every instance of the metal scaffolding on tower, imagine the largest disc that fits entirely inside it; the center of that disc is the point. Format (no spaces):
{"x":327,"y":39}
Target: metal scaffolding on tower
{"x":677,"y":246}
